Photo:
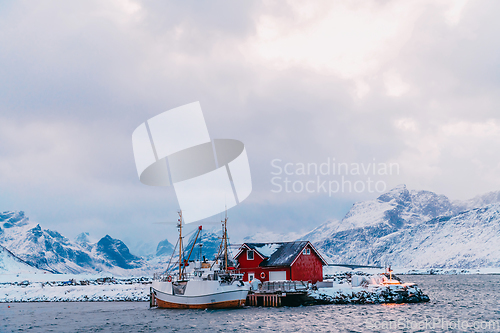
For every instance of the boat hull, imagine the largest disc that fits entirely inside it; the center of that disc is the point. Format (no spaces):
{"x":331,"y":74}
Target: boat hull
{"x":230,"y":296}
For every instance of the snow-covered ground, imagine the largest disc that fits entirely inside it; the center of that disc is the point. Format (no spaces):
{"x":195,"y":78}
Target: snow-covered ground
{"x":446,"y":271}
{"x":38,"y":292}
{"x":67,"y":288}
{"x":332,"y":270}
{"x":42,"y":286}
{"x":356,"y":287}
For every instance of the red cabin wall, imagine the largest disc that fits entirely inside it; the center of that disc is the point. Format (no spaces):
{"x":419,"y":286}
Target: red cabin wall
{"x":258,"y":270}
{"x":245,"y":263}
{"x":248,"y":266}
{"x":307,"y":267}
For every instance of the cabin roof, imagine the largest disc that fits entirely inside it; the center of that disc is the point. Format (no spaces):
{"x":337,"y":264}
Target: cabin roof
{"x":280,"y":254}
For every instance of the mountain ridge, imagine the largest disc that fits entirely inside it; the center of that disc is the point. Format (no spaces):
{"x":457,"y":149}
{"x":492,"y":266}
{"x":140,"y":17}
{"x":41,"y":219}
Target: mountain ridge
{"x":49,"y":250}
{"x":402,"y":227}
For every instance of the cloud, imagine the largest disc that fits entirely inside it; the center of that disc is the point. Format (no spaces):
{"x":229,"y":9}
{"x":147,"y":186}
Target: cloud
{"x":412,"y":82}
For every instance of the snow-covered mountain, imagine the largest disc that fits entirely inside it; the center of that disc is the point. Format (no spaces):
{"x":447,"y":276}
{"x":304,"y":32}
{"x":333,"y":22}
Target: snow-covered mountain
{"x":49,"y":250}
{"x":318,"y":234}
{"x":478,"y":201}
{"x":116,"y":253}
{"x":164,"y":248}
{"x":404,"y":228}
{"x":415,"y":229}
{"x":210,"y":241}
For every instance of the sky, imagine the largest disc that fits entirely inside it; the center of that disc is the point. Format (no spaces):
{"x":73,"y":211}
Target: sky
{"x":370,"y":84}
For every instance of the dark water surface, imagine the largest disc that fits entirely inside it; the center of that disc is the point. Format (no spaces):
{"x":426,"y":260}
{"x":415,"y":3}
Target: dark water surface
{"x":458,"y":303}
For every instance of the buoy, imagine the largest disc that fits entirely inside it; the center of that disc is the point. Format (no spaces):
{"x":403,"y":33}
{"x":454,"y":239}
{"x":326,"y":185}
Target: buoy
{"x":262,"y":275}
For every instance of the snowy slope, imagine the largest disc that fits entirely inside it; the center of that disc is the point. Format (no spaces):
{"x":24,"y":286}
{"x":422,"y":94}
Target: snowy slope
{"x":318,"y":234}
{"x":10,"y":264}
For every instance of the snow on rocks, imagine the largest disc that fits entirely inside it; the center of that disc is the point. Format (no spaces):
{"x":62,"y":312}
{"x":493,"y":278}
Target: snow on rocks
{"x":403,"y":293}
{"x":365,"y":289}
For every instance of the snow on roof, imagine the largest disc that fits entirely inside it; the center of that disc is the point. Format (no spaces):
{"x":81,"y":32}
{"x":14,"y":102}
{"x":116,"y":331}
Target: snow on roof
{"x":278,"y":254}
{"x":268,"y":249}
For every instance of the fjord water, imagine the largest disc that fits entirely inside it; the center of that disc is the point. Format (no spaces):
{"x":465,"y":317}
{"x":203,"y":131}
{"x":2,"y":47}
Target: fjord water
{"x":455,"y":299}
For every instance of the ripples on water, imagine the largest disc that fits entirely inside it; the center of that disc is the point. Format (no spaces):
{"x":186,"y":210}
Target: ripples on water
{"x":464,"y":297}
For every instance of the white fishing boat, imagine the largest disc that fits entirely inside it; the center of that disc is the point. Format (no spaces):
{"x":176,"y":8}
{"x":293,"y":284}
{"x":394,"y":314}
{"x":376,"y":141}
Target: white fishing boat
{"x":199,"y":284}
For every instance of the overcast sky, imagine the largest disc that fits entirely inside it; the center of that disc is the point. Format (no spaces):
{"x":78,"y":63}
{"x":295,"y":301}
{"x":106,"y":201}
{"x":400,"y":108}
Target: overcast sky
{"x":413,"y":83}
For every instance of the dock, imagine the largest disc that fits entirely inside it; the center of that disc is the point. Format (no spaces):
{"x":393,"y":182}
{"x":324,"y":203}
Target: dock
{"x":278,"y":293}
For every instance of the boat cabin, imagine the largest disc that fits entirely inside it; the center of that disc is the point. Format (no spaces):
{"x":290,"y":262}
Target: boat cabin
{"x":285,"y":261}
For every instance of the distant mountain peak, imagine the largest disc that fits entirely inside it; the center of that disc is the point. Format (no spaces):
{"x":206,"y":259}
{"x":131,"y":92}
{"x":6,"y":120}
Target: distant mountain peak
{"x":478,"y":201}
{"x":82,"y":238}
{"x":164,"y":248}
{"x":36,"y":232}
{"x":398,"y":193}
{"x":117,"y":252}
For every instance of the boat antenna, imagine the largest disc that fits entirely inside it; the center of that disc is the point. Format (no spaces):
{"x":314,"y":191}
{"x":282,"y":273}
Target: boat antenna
{"x":179,"y":225}
{"x":225,"y":240}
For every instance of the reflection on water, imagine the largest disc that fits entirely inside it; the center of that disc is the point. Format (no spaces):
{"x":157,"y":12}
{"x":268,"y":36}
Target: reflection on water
{"x":461,"y":299}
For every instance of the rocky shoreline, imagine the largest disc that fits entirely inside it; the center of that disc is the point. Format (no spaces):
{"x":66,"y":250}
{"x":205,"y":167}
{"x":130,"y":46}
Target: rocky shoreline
{"x":405,"y":293}
{"x":343,"y":288}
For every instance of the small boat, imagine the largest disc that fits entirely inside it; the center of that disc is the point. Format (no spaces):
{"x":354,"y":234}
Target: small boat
{"x":200,"y":284}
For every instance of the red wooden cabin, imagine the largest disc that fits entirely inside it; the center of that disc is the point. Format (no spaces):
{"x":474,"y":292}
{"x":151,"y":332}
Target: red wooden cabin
{"x":292,"y":261}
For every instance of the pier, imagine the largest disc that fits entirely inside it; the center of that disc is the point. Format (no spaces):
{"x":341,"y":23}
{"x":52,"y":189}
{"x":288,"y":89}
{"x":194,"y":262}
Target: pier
{"x":278,"y":293}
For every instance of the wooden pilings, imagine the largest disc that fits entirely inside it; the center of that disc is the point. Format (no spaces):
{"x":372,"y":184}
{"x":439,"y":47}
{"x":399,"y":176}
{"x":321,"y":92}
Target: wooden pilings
{"x":267,"y":300}
{"x":152,"y":298}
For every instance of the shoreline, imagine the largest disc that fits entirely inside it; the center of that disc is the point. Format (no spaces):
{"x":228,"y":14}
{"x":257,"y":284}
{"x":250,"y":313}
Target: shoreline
{"x":57,"y":287}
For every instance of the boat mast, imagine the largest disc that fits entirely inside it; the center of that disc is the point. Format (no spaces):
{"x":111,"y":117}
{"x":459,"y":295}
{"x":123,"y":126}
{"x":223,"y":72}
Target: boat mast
{"x":225,"y":241}
{"x":180,"y":244}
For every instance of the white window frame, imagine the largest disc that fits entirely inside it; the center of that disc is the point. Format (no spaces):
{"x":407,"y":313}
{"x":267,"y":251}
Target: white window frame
{"x":253,"y":254}
{"x":251,"y":276}
{"x":283,"y":273}
{"x":306,"y":251}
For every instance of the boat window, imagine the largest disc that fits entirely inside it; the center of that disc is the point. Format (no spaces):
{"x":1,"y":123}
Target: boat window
{"x":250,"y":255}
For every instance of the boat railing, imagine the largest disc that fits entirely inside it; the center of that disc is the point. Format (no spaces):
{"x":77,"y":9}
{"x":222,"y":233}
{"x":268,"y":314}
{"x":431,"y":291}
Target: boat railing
{"x":283,"y":286}
{"x":216,"y":275}
{"x":174,"y":277}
